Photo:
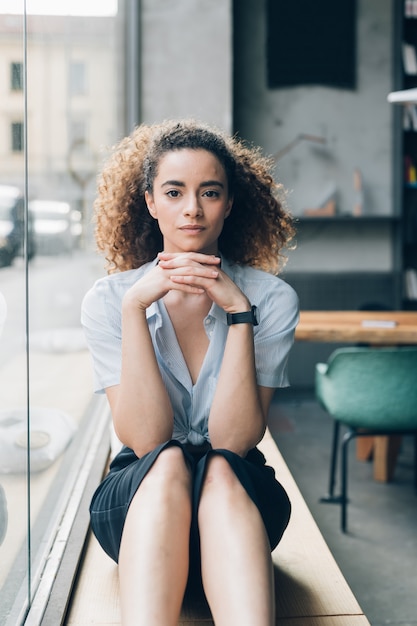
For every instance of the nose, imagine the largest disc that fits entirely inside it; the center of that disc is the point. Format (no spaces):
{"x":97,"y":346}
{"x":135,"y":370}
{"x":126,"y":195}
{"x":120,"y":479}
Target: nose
{"x":192,"y":206}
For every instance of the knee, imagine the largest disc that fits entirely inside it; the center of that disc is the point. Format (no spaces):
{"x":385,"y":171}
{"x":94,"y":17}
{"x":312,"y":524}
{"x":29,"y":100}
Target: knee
{"x":223,"y":495}
{"x":219,"y":476}
{"x":169,"y":473}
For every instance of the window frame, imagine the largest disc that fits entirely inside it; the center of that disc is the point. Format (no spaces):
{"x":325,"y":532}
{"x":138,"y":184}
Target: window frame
{"x":67,"y":535}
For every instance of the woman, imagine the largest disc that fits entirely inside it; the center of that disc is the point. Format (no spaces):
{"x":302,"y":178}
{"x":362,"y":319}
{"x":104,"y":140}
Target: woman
{"x":190,"y":337}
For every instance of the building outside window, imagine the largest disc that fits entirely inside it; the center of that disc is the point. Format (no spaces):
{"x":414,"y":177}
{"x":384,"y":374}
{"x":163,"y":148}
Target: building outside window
{"x":77,"y":132}
{"x":77,"y":78}
{"x":17,"y":136}
{"x":16,"y":76}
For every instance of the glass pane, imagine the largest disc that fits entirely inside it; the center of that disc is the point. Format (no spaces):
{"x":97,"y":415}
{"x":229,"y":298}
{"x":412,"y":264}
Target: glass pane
{"x":47,"y":263}
{"x":13,"y":364}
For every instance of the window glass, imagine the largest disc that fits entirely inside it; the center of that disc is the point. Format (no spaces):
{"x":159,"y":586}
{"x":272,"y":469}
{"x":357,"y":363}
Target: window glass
{"x":60,"y":113}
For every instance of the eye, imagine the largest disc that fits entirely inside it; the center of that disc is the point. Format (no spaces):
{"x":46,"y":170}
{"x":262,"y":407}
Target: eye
{"x":211,"y":193}
{"x":173,"y":193}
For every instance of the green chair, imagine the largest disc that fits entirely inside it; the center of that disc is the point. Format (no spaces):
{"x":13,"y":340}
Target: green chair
{"x":367,"y":388}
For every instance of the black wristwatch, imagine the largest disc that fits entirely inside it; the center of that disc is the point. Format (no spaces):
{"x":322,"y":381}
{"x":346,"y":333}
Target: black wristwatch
{"x":248,"y":317}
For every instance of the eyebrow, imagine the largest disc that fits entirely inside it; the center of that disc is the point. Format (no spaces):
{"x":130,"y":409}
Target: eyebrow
{"x":206,"y":183}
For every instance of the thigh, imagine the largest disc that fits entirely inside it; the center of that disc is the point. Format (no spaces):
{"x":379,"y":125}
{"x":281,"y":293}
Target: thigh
{"x":111,"y":500}
{"x":260,"y":483}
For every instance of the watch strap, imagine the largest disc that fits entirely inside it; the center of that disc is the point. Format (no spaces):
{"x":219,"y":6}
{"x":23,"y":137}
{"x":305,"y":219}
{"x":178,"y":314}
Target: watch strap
{"x":246,"y":317}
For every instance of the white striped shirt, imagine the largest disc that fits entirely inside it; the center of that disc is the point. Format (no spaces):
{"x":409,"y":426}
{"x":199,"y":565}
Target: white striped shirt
{"x":277,"y":306}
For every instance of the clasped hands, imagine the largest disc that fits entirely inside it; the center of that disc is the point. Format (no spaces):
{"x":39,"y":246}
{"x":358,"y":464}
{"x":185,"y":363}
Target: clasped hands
{"x":190,"y":273}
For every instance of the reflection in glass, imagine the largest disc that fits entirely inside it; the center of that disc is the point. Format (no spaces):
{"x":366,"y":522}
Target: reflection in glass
{"x":66,"y":109}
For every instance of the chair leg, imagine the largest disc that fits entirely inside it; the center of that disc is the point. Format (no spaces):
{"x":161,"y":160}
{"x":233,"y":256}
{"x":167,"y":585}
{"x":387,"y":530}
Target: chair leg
{"x":330,"y":497}
{"x":344,"y":470}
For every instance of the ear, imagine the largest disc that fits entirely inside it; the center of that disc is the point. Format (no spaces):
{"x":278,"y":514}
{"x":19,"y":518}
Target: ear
{"x":150,"y":204}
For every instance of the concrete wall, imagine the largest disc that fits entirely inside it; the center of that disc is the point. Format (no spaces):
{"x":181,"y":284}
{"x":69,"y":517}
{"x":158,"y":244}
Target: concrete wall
{"x":336,"y":264}
{"x":192,"y":49}
{"x":356,"y":126}
{"x":187,"y":60}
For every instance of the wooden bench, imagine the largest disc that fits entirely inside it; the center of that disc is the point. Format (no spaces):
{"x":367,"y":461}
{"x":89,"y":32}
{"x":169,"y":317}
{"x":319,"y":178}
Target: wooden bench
{"x":309,"y":586}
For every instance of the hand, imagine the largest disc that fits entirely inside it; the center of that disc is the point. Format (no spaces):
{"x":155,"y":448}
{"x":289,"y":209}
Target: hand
{"x":194,"y":272}
{"x":171,"y":273}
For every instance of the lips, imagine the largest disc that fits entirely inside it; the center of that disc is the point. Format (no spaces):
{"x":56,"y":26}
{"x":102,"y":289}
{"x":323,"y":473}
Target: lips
{"x":192,"y":228}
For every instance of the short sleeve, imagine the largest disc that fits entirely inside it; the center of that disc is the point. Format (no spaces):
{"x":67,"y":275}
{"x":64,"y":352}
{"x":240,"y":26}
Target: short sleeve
{"x":274,"y":337}
{"x":101,"y":321}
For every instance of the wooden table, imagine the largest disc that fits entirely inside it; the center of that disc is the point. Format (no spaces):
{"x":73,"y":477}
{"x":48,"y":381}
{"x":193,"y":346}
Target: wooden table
{"x":376,"y":328}
{"x":383,"y":328}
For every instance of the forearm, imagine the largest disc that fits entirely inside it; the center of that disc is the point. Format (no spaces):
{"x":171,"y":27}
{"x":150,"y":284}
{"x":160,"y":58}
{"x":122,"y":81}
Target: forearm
{"x":142,"y":411}
{"x":237,"y":421}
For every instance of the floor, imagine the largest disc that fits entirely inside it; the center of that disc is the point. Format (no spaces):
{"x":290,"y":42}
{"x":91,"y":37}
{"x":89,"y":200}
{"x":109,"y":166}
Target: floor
{"x":378,"y":554}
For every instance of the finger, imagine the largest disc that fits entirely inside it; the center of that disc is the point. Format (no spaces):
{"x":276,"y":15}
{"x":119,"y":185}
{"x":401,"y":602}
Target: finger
{"x":196,"y":269}
{"x":186,"y":287}
{"x":192,"y":273}
{"x":206,"y":283}
{"x":196,"y":257}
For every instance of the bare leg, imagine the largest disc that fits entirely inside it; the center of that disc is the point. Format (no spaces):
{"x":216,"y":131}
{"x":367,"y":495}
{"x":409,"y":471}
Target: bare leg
{"x":235,"y":553}
{"x":154,"y":553}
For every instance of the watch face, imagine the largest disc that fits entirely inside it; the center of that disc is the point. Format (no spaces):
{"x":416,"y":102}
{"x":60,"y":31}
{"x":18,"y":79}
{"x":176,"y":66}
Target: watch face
{"x":255,"y":314}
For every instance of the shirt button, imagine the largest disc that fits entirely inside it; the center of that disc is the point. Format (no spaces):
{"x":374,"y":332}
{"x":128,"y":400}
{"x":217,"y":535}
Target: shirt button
{"x":207,"y":321}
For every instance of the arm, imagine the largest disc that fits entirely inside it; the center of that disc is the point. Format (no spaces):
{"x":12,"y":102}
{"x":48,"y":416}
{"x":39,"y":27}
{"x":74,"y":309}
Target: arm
{"x":141,"y":408}
{"x":274,"y":339}
{"x":238,"y":414}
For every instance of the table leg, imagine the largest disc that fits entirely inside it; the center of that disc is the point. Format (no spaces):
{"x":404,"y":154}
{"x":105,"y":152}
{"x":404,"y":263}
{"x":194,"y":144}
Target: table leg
{"x":365,"y":448}
{"x":385,"y":456}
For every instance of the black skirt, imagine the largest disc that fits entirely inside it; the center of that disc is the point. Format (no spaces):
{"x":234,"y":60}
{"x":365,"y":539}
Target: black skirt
{"x":112,"y":498}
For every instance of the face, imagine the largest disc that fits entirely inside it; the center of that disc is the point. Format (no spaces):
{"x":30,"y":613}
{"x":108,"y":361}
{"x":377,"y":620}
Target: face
{"x":190,"y":199}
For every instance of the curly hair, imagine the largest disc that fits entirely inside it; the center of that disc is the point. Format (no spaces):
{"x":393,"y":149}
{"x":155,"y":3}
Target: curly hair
{"x":257,"y":231}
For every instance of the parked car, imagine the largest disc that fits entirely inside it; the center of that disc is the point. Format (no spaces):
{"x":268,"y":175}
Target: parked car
{"x":57,"y":226}
{"x":12,"y":226}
